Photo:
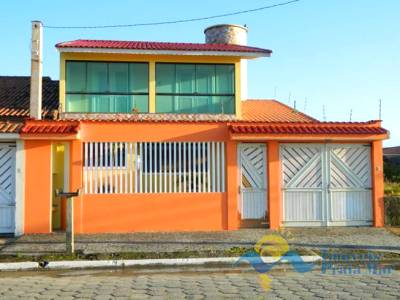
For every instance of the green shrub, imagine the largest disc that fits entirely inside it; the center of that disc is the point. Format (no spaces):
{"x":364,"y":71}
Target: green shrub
{"x":391,"y":170}
{"x":392,"y":210}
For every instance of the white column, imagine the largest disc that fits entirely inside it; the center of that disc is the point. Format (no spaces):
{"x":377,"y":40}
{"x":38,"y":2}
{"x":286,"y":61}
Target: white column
{"x":19,"y":188}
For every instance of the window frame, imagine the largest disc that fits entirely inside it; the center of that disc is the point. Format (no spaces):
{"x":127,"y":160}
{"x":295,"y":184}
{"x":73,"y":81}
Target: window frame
{"x":108,"y":82}
{"x":195,"y":94}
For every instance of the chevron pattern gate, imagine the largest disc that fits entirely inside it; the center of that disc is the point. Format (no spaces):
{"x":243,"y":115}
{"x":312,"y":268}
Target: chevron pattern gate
{"x":7,"y":188}
{"x":326,"y":185}
{"x":253,"y":199}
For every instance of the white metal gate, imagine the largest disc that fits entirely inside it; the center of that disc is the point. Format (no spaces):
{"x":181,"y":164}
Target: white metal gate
{"x":253,"y":192}
{"x":7,"y":188}
{"x":326,"y":185}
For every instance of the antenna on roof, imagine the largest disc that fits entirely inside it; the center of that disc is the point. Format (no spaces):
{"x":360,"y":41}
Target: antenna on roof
{"x":351,"y":114}
{"x":305,"y":104}
{"x":294,"y":104}
{"x":324,"y":113}
{"x":380,"y":109}
{"x":290,"y":99}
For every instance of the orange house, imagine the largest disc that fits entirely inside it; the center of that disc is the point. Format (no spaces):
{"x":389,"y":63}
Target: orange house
{"x":162,"y":137}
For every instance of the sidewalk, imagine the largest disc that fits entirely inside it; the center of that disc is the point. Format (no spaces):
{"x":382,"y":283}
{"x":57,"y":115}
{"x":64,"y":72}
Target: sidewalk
{"x":312,"y":238}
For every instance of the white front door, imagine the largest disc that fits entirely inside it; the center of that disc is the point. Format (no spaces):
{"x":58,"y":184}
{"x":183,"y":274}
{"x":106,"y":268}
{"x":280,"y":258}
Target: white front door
{"x":253,"y":181}
{"x":326,"y":184}
{"x":7,"y":188}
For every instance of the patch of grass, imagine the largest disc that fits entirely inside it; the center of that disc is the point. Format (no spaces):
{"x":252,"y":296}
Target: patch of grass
{"x":232,"y":252}
{"x":392,"y":188}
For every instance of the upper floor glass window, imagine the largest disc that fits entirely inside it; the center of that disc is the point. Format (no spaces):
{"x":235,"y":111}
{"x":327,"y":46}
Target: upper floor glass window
{"x":195,"y":88}
{"x":106,"y":87}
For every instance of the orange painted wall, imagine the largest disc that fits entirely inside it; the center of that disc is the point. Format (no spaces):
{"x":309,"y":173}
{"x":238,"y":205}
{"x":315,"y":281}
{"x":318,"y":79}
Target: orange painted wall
{"x":152,"y":212}
{"x":37,"y":186}
{"x":274,"y":185}
{"x":155,"y":212}
{"x":377,"y":184}
{"x":232,"y":185}
{"x":154,"y":132}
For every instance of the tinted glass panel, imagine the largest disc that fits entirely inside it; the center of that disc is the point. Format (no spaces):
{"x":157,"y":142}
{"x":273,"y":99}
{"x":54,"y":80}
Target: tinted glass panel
{"x":224,"y":79}
{"x":138,"y":78}
{"x":165,"y":104}
{"x":77,"y":103}
{"x":76,"y":77}
{"x":118,"y":77}
{"x":97,"y":77}
{"x":140,"y":102}
{"x":185,"y":79}
{"x":205,"y":79}
{"x":165,"y":78}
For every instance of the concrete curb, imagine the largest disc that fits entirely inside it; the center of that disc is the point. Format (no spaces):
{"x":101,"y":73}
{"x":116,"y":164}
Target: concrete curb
{"x":82,"y":264}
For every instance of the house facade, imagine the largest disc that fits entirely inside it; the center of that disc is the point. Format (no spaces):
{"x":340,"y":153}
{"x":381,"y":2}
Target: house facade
{"x":162,"y":137}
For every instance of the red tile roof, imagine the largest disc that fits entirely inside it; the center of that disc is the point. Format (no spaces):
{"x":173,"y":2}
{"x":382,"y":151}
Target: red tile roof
{"x":160,"y":46}
{"x":271,"y":111}
{"x":10,"y":126}
{"x":321,"y":128}
{"x":252,"y":111}
{"x":50,"y":127}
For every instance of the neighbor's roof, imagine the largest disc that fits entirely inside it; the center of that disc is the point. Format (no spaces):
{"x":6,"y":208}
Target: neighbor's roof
{"x":10,"y":126}
{"x":14,"y":101}
{"x":391,"y":150}
{"x":157,"y":47}
{"x":271,"y":111}
{"x":252,"y":111}
{"x":14,"y":96}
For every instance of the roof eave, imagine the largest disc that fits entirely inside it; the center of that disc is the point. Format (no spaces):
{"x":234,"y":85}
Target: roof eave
{"x":248,"y":55}
{"x":309,"y":137}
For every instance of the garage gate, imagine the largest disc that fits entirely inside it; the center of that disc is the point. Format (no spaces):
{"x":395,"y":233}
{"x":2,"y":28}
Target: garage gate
{"x":326,"y":184}
{"x":7,"y":188}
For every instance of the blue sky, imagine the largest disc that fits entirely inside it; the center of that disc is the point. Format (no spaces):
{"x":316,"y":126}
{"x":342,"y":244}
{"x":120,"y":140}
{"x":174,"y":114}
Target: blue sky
{"x":339,"y":53}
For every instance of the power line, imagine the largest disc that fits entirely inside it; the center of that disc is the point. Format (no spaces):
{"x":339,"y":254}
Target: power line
{"x":175,"y":21}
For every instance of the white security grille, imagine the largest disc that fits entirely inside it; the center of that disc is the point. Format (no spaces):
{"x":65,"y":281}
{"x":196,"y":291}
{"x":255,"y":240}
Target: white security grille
{"x":154,"y":167}
{"x":326,"y":184}
{"x":7,"y":187}
{"x":253,"y":200}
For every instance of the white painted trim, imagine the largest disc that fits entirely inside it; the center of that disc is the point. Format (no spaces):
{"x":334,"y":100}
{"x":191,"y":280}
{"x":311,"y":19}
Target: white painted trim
{"x":165,"y":52}
{"x":9,"y":136}
{"x":19,"y":188}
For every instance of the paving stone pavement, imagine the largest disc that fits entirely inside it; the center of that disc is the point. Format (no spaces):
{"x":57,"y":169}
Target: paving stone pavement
{"x":195,"y":284}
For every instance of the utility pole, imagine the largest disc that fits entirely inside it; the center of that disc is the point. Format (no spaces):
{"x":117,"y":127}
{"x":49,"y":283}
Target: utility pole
{"x":380,"y":109}
{"x":35,"y":107}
